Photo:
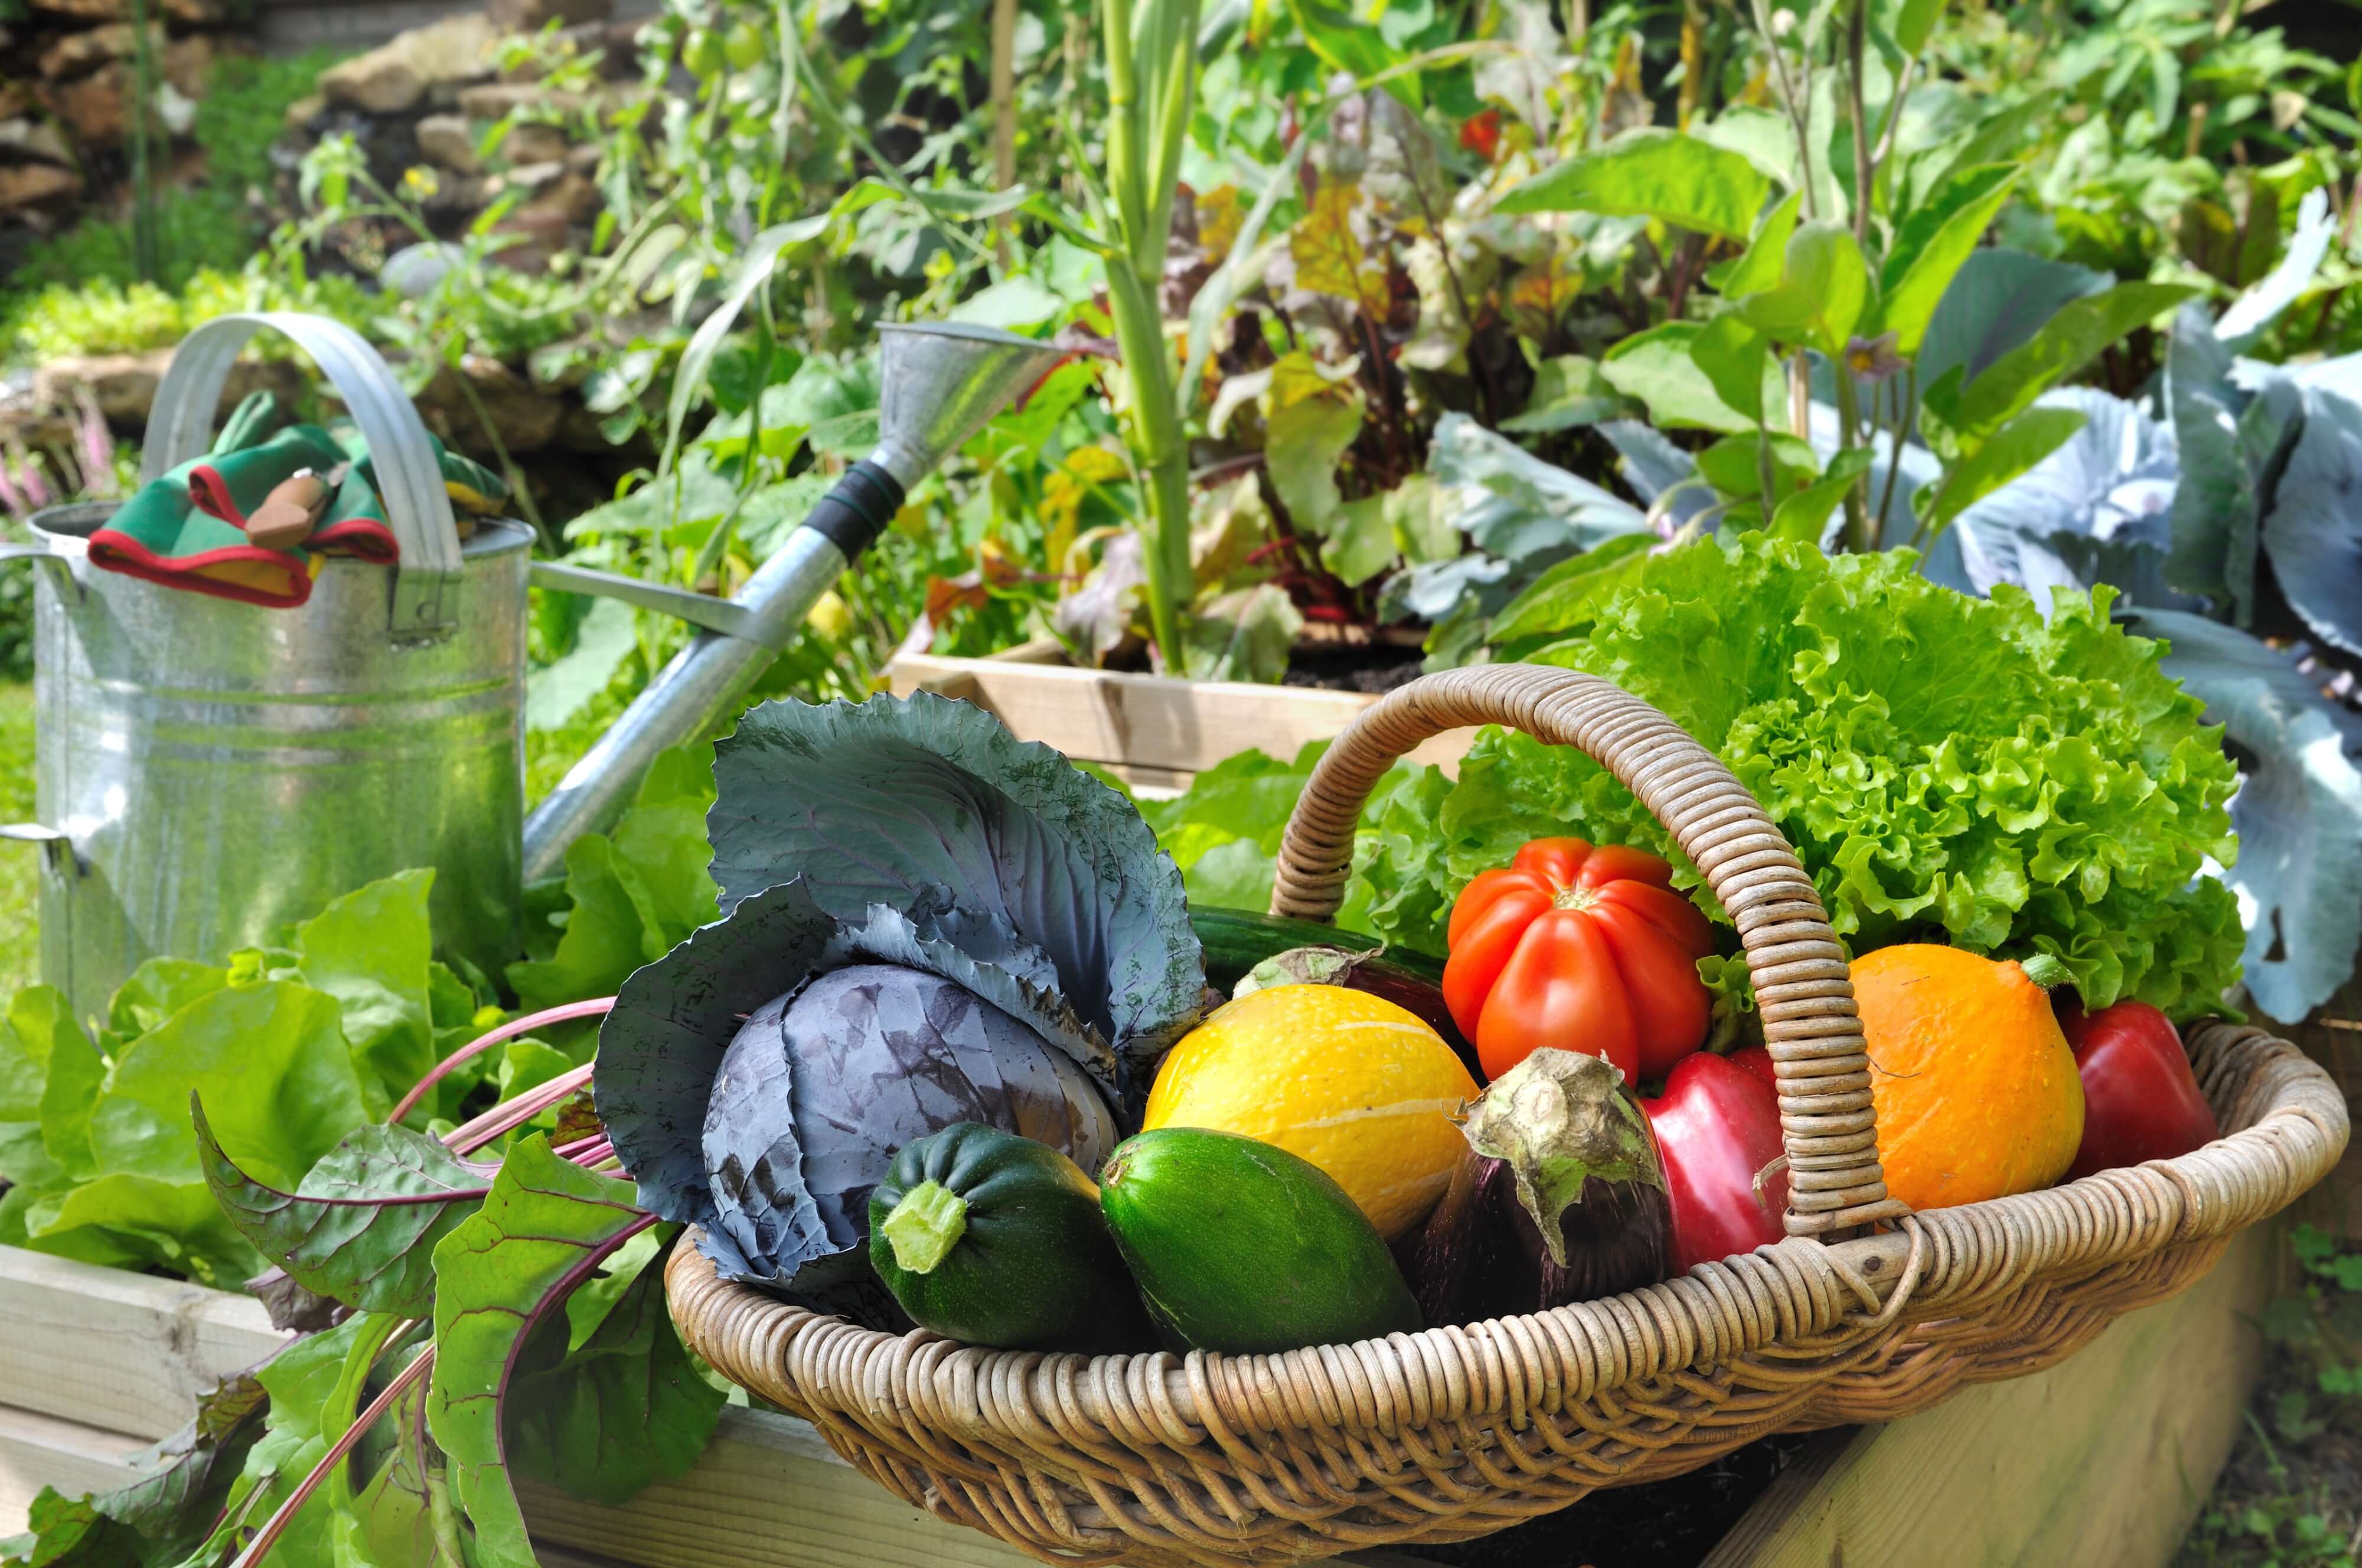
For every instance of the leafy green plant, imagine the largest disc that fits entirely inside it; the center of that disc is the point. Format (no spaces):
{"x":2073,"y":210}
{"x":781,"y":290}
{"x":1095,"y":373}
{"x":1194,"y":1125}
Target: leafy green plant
{"x":407,"y":1083}
{"x":1926,"y":752}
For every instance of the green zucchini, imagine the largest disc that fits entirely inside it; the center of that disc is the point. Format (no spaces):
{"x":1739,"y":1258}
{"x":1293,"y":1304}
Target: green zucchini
{"x":1242,"y":1247}
{"x":995,"y":1240}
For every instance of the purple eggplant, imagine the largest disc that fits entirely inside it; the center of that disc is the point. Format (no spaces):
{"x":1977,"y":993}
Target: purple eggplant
{"x":1559,"y":1198}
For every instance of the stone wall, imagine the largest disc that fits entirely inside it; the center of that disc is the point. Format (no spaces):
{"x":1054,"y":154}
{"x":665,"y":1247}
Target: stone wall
{"x":66,"y":81}
{"x":422,"y":101}
{"x":291,"y":26}
{"x":427,"y":99}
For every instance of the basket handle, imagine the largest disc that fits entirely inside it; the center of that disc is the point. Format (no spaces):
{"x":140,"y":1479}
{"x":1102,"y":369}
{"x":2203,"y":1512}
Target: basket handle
{"x":1801,"y":982}
{"x":417,"y":508}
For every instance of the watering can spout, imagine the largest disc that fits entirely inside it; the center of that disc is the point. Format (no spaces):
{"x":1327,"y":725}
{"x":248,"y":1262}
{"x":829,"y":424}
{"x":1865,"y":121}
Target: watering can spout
{"x":941,"y":382}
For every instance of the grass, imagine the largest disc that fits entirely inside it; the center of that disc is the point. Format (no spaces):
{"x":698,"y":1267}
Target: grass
{"x":19,"y":863}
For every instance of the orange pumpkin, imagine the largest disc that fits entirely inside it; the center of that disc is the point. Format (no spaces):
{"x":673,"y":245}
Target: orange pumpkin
{"x":1976,"y":1088}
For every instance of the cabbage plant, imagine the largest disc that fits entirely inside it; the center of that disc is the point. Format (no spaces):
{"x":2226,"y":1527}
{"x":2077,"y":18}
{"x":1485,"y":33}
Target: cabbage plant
{"x":924,"y":922}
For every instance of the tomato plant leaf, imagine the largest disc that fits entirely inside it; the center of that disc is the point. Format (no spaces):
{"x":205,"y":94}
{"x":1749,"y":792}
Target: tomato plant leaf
{"x":544,"y":1229}
{"x":1681,"y":179}
{"x":1929,"y":249}
{"x":363,"y":1226}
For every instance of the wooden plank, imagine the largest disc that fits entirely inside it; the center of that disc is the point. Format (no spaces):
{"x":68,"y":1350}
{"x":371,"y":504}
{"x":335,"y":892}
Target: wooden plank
{"x":2101,"y":1461}
{"x":768,"y":1491}
{"x":100,"y":1362}
{"x":117,"y":1351}
{"x":1178,"y":728}
{"x":41,"y":1450}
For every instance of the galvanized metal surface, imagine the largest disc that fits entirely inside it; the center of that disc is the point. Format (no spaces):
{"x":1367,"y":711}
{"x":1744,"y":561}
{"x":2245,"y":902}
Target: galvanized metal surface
{"x":722,"y":615}
{"x":939,"y":384}
{"x":221,"y":770}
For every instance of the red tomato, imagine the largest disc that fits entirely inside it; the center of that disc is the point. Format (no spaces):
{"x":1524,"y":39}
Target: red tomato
{"x":1717,"y":1130}
{"x":1481,"y":134}
{"x":1583,"y":949}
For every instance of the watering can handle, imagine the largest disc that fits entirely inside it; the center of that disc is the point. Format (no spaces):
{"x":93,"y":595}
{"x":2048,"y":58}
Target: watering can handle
{"x":417,"y":507}
{"x":55,"y":564}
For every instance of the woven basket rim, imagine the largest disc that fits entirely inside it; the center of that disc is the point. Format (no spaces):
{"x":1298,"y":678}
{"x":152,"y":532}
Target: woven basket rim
{"x":1936,"y":1259}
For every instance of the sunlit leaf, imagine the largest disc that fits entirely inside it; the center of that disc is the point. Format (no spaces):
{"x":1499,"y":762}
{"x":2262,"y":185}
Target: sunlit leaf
{"x":1823,"y":290}
{"x":1660,"y":369}
{"x":1682,"y":179}
{"x":1929,"y":249}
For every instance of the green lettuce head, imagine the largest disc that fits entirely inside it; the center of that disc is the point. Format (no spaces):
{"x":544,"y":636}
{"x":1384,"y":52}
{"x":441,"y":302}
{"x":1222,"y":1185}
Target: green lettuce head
{"x":1950,"y":769}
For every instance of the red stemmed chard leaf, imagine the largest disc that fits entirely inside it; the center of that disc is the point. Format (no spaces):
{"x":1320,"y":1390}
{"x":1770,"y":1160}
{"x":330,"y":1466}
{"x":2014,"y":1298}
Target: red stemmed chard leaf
{"x":544,"y":1229}
{"x":362,"y":1227}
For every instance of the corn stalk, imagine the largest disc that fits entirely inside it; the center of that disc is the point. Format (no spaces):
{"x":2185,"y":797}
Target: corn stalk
{"x":1151,"y":64}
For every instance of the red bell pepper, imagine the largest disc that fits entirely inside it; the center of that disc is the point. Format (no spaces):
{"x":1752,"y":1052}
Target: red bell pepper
{"x":1718,"y":1131}
{"x":1758,"y":1061}
{"x":1581,"y":949}
{"x":2140,"y":1099}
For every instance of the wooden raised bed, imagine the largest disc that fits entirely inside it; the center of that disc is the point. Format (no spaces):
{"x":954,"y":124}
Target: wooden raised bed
{"x":1151,"y":730}
{"x":2104,"y":1458}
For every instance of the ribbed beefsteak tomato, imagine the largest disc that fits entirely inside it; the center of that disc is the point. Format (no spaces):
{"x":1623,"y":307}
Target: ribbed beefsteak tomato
{"x":1581,"y":948}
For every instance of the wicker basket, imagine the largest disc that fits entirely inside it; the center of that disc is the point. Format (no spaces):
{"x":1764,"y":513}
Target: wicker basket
{"x":1450,"y":1433}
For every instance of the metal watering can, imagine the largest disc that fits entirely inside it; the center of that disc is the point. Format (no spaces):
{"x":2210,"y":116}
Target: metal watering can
{"x":211,"y":771}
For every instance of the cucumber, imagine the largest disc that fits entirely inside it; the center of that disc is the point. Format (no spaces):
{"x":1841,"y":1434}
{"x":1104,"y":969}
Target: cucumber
{"x":995,"y":1240}
{"x":1237,"y":939}
{"x":1241,"y":1247}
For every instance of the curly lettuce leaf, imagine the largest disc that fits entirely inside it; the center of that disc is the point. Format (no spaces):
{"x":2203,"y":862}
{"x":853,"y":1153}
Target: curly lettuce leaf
{"x":880,"y":802}
{"x":1950,"y":769}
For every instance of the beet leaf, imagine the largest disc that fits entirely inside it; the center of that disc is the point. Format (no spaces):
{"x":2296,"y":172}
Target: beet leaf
{"x":544,"y":1229}
{"x":363,"y":1225}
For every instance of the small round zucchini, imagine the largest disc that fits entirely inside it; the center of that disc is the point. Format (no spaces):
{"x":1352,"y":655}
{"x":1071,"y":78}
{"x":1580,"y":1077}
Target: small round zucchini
{"x":995,"y":1240}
